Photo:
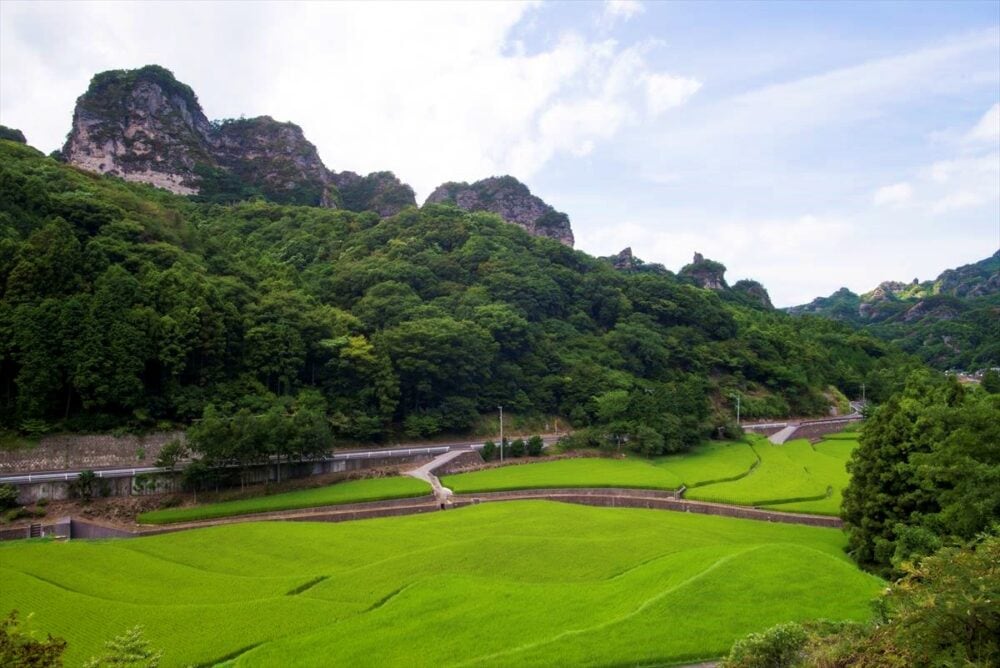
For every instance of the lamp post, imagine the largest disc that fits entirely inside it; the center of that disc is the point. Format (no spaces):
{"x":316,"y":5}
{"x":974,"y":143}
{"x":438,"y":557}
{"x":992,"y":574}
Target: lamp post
{"x":737,"y":397}
{"x":501,"y":432}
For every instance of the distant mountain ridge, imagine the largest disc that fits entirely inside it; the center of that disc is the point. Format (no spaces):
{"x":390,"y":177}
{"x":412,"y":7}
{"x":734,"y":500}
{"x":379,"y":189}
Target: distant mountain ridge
{"x":953,"y":320}
{"x":144,"y":125}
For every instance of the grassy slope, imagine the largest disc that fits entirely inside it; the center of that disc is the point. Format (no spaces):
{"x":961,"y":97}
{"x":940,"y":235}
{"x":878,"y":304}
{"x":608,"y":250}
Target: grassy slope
{"x":354,"y":491}
{"x":520,"y":583}
{"x":795,"y":477}
{"x":589,"y":472}
{"x":709,"y":461}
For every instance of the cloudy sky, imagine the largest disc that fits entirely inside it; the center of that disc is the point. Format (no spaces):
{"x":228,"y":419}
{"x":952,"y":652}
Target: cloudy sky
{"x":810,"y":146}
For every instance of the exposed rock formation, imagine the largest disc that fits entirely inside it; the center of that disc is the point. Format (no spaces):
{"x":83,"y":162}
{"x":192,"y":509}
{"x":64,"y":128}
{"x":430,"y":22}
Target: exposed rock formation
{"x":511,"y":200}
{"x":755,"y":291}
{"x":12,"y":134}
{"x":380,"y":192}
{"x":624,"y":261}
{"x":705,"y":273}
{"x":144,"y":125}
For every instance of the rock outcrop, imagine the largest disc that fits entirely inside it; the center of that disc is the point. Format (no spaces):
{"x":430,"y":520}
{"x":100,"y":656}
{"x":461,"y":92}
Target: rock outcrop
{"x":753,"y":290}
{"x":144,"y":125}
{"x":511,"y":200}
{"x":380,"y":192}
{"x":705,"y":273}
{"x":12,"y":134}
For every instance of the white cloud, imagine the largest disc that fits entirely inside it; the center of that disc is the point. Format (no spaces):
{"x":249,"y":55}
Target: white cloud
{"x":666,"y":91}
{"x":432,"y":91}
{"x":894,"y":195}
{"x":621,"y":10}
{"x":988,"y":127}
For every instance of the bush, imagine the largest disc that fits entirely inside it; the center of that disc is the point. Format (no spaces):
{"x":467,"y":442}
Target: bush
{"x":8,"y":496}
{"x":535,"y":446}
{"x":20,"y":647}
{"x":517,"y":448}
{"x":489,"y":450}
{"x":778,"y":647}
{"x":84,"y":486}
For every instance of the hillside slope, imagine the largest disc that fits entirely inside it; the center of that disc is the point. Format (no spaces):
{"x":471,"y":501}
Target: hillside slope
{"x":126,"y":305}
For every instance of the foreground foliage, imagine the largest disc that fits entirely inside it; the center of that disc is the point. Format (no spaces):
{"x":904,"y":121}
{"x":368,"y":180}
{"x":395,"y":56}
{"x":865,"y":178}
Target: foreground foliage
{"x":571,"y":584}
{"x":943,"y":612}
{"x":926,"y":474}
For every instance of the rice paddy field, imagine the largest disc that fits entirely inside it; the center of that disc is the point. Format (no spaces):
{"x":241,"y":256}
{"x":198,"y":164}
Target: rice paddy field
{"x":353,"y":491}
{"x":795,"y":476}
{"x":517,"y":583}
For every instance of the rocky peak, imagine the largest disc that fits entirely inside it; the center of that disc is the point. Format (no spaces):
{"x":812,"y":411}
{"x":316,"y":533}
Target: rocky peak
{"x":511,"y":200}
{"x":274,"y":157}
{"x":12,"y":134}
{"x":380,"y":192}
{"x":705,"y":273}
{"x":141,"y":125}
{"x":624,"y":261}
{"x":144,"y":125}
{"x":755,"y":291}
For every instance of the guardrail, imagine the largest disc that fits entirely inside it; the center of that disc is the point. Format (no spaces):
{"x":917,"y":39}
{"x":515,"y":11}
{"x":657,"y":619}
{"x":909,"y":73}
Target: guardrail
{"x":67,"y":476}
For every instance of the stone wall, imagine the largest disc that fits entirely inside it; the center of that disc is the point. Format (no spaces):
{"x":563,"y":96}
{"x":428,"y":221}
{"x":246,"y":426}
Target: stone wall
{"x":87,"y":451}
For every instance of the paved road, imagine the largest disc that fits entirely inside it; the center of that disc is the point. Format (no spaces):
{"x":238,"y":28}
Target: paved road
{"x":780,"y":437}
{"x":426,"y":473}
{"x":398,"y":451}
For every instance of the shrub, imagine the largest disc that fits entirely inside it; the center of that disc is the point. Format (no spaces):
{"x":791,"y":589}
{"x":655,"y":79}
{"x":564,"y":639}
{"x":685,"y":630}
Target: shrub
{"x":517,"y":448}
{"x":535,"y":446}
{"x":84,"y":486}
{"x":42,"y":502}
{"x":778,"y":647}
{"x":19,"y":647}
{"x":489,"y":450}
{"x":8,"y":496}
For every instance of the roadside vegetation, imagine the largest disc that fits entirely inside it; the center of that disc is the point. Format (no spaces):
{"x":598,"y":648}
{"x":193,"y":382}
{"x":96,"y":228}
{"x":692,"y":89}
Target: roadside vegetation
{"x":578,"y":584}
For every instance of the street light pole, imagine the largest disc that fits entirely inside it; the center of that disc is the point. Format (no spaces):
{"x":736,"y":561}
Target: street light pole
{"x":501,"y":432}
{"x":737,"y":397}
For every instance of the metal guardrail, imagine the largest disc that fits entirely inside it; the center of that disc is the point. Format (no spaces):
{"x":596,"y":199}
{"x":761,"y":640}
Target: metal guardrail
{"x":67,"y":476}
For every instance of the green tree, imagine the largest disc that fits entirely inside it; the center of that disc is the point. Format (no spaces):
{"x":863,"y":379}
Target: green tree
{"x":20,"y":648}
{"x":131,"y":649}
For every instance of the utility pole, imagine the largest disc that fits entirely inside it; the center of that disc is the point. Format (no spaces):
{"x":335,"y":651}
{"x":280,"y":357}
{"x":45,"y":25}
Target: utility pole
{"x":862,"y":393}
{"x":501,"y":432}
{"x":737,"y":397}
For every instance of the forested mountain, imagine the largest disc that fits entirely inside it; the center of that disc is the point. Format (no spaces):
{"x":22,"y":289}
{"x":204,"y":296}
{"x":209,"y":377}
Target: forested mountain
{"x":950,"y":322}
{"x":126,"y":305}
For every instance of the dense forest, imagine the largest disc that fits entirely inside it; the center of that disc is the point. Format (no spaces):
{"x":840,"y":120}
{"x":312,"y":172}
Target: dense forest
{"x":124,"y":306}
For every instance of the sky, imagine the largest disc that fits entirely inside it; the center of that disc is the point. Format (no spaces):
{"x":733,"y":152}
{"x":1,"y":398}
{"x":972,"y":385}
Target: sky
{"x":810,"y":146}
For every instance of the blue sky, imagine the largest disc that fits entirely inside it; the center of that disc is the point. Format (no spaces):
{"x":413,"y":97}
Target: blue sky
{"x":807,"y":145}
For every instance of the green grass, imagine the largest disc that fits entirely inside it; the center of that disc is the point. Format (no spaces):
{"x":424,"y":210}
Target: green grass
{"x":516,"y":583}
{"x":795,"y":477}
{"x":354,"y":491}
{"x":583,"y":472}
{"x":708,"y":462}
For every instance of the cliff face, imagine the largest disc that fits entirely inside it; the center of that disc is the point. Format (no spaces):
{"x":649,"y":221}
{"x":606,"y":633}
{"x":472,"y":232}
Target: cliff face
{"x":380,"y":192}
{"x":705,"y":273}
{"x":144,"y":125}
{"x":274,"y":157}
{"x":511,"y":200}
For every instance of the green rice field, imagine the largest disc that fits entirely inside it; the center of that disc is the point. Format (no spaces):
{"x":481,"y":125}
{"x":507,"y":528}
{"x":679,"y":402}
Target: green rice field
{"x":527,"y":583}
{"x":353,"y":491}
{"x":795,"y":476}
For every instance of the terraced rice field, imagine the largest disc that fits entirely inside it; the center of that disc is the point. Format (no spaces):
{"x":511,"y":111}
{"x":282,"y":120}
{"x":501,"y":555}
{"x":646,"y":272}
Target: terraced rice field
{"x":518,"y":583}
{"x":354,"y":491}
{"x":709,"y":461}
{"x":795,"y":476}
